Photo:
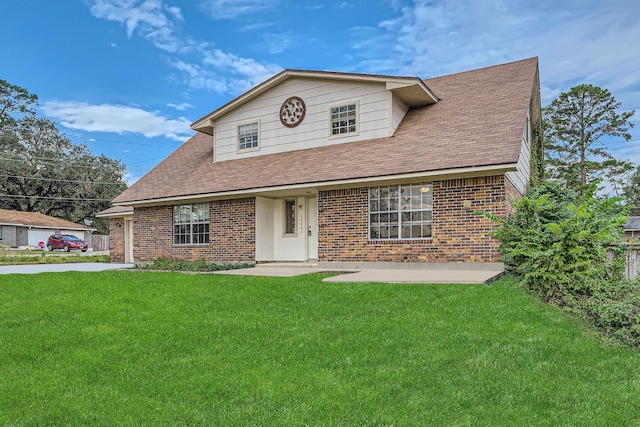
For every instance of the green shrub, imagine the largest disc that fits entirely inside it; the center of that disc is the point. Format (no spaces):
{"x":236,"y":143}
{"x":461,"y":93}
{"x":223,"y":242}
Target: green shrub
{"x":560,"y":244}
{"x":164,"y":263}
{"x":566,"y":250}
{"x":615,"y":310}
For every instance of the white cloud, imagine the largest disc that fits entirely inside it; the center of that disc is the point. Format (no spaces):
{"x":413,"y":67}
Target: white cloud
{"x":181,"y":107}
{"x":210,"y":69}
{"x":224,"y":72}
{"x":116,"y":118}
{"x":576,"y":40}
{"x":276,"y":43}
{"x":150,"y":15}
{"x":229,"y":9}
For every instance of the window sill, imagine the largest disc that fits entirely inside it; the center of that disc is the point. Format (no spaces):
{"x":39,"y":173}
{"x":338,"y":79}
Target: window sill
{"x":344,"y":135}
{"x":247,"y":150}
{"x":403,"y":240}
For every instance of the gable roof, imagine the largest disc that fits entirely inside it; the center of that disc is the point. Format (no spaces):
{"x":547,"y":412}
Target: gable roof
{"x":38,"y":220}
{"x":478,"y":122}
{"x":412,"y":90}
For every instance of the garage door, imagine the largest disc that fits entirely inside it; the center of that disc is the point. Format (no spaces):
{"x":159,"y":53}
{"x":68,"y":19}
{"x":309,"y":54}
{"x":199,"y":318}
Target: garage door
{"x":37,"y":236}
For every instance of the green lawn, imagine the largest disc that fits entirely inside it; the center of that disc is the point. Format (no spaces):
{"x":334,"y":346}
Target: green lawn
{"x":142,"y":348}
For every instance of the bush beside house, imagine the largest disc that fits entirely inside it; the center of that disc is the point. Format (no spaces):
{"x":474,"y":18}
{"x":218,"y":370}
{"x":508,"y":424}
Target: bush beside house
{"x":567,"y":250}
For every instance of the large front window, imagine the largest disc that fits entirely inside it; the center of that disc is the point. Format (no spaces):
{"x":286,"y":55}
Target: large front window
{"x":400,"y":212}
{"x":191,"y":224}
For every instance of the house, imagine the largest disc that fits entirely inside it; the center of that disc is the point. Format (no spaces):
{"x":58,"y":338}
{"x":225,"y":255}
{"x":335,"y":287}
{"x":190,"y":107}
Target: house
{"x":32,"y":229}
{"x":632,"y":228}
{"x":341,"y":168}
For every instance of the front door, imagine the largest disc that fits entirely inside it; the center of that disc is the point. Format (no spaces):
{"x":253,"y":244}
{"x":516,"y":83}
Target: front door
{"x":312,"y":228}
{"x":128,"y":241}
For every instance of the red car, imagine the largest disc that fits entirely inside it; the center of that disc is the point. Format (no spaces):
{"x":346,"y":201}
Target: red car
{"x":66,"y":242}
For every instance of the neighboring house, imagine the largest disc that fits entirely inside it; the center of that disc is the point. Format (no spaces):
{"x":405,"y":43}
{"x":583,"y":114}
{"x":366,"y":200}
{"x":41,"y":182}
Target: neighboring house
{"x":341,"y":168}
{"x":632,"y":228}
{"x":21,"y":229}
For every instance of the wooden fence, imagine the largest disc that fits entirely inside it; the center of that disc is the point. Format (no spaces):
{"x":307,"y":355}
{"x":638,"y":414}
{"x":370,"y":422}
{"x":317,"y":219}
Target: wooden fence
{"x":99,"y":242}
{"x":632,"y":251}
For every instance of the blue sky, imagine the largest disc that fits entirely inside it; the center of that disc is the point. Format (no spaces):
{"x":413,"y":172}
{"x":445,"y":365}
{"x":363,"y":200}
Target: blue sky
{"x":129,"y":76}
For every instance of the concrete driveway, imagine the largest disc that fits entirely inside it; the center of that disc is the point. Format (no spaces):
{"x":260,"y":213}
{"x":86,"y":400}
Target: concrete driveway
{"x":58,"y":268}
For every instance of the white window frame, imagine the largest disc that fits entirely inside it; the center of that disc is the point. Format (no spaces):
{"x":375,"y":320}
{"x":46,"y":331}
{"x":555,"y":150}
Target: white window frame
{"x":190,"y":223}
{"x":243,"y":124}
{"x":285,"y":232}
{"x":400,"y":212}
{"x":356,"y":103}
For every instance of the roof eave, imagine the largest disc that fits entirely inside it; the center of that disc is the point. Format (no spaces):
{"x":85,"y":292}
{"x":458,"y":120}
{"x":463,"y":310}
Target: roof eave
{"x":115,"y":215}
{"x":344,"y":183}
{"x":17,"y":224}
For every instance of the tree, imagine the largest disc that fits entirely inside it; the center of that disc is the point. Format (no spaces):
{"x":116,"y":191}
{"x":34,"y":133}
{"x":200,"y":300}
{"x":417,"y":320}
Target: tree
{"x":41,"y":170}
{"x":632,"y":192}
{"x":574,"y":125}
{"x":15,"y":100}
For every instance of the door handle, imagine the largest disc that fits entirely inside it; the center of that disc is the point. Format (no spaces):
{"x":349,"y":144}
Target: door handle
{"x":309,"y":231}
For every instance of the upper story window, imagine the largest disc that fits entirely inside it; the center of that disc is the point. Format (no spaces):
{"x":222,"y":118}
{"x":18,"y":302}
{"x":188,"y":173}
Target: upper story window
{"x":191,"y":224}
{"x":248,"y":136}
{"x":344,"y":119}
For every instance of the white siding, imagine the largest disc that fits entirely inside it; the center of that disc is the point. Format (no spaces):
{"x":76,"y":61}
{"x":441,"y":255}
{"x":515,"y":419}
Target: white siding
{"x":264,"y":229}
{"x":520,"y":178}
{"x":399,"y":109}
{"x":374,"y":117}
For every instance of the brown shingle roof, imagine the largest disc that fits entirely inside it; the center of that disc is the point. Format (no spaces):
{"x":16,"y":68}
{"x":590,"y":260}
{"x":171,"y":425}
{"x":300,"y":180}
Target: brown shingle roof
{"x":115,"y":210}
{"x":36,"y":219}
{"x":478,"y":121}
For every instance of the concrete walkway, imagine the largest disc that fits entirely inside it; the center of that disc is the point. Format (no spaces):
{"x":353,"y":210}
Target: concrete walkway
{"x":58,"y":268}
{"x":382,"y":272}
{"x":346,"y":273}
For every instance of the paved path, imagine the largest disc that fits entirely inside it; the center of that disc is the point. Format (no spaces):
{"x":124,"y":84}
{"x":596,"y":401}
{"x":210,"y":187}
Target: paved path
{"x":376,"y":275}
{"x":360,"y":274}
{"x":57,"y":268}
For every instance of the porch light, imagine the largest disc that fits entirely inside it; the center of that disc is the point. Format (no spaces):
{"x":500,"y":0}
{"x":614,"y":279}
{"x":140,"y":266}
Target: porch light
{"x":425,"y":189}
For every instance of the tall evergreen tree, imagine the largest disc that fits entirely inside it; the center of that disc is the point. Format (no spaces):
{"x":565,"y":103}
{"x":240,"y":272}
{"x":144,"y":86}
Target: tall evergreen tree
{"x":575,"y":124}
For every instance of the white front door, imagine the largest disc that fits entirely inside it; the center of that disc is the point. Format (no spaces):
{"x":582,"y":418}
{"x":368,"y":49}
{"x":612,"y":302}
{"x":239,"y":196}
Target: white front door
{"x":128,"y":241}
{"x":312,"y":228}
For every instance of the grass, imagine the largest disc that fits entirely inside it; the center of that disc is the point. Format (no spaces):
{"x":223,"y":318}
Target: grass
{"x":141,"y":348}
{"x":49,"y":258}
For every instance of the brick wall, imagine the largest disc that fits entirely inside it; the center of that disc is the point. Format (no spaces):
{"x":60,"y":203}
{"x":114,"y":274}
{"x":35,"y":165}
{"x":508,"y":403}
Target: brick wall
{"x":512,"y":193}
{"x":231,"y":233}
{"x":116,"y":240}
{"x":458,"y":234}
